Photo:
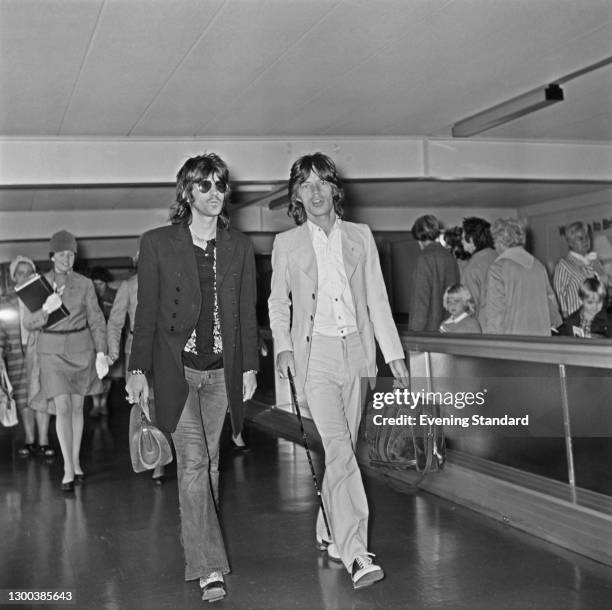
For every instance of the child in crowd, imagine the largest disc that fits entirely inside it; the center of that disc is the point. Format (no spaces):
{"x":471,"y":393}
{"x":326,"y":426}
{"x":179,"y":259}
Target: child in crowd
{"x":591,"y":320}
{"x":459,"y":303}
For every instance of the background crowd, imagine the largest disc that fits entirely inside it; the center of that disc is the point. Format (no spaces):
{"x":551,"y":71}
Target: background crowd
{"x":480,"y":278}
{"x":474,"y":278}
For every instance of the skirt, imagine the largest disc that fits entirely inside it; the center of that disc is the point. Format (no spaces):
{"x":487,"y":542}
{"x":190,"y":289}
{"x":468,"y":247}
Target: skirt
{"x":73,"y":373}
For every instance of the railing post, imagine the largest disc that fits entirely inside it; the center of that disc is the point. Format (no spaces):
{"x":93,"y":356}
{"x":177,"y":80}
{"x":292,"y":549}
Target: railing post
{"x":428,"y":370}
{"x":567,"y":431}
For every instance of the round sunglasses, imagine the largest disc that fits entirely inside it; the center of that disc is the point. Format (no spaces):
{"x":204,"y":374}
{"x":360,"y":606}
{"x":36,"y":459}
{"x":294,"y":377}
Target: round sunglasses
{"x":205,"y":185}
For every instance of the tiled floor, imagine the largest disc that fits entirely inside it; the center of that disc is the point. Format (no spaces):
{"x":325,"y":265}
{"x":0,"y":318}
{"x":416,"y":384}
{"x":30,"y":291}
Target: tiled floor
{"x":115,"y":541}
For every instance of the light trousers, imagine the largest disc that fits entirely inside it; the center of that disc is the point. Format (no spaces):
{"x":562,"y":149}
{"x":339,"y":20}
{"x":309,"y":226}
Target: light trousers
{"x":333,"y":390}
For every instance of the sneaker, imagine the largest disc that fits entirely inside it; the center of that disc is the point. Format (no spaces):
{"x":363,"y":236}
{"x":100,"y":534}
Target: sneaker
{"x":213,"y":587}
{"x":322,"y":544}
{"x":330,"y":548}
{"x":364,"y":572}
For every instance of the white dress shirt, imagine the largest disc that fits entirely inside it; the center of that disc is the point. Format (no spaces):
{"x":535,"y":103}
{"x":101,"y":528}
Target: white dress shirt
{"x":335,"y":315}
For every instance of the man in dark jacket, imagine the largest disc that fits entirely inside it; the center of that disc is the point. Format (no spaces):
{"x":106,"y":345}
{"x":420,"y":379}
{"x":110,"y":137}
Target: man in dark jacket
{"x":195,"y":334}
{"x":436,"y":269}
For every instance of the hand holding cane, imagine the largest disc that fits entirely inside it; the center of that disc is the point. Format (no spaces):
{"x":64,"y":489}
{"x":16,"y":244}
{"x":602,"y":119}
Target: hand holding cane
{"x":312,"y":468}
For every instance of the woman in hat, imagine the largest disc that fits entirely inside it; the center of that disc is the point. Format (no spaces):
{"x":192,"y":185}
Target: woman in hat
{"x":13,"y":349}
{"x":70,"y":356}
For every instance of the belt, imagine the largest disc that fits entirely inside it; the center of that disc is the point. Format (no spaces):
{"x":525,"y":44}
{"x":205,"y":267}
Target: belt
{"x":64,"y":332}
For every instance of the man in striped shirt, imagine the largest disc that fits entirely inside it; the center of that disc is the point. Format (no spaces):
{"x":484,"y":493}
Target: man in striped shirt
{"x":577,"y":266}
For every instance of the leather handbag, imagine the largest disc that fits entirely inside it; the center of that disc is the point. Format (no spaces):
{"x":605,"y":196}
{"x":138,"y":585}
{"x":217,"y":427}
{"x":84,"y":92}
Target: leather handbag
{"x":149,"y":447}
{"x":403,"y":446}
{"x":8,"y":408}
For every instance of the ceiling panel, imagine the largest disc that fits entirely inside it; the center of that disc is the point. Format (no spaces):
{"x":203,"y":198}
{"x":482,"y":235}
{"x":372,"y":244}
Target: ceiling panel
{"x":241,"y":68}
{"x":592,"y":93}
{"x":42,"y":46}
{"x":243,"y":40}
{"x":132,"y":58}
{"x":329,"y":52}
{"x":289,"y":68}
{"x":456,"y":66}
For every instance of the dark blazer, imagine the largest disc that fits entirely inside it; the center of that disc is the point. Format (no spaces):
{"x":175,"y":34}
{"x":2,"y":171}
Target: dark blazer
{"x":436,"y":269}
{"x":601,"y":325}
{"x":169,"y":301}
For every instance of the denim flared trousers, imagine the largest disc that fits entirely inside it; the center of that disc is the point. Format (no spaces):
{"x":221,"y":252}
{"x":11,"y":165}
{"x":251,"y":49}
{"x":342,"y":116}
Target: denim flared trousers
{"x":196,"y":440}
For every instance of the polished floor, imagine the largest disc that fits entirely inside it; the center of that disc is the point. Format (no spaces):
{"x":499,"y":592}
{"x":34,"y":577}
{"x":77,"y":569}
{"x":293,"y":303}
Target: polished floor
{"x":114,"y":542}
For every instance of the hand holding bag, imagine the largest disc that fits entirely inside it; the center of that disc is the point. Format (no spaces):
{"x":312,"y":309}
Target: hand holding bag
{"x":8,"y":408}
{"x":149,"y":447}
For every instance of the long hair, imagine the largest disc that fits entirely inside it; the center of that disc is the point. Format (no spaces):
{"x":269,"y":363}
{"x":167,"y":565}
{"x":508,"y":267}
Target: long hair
{"x":452,"y":239}
{"x":325,"y":168}
{"x":479,"y":231}
{"x":195,"y":170}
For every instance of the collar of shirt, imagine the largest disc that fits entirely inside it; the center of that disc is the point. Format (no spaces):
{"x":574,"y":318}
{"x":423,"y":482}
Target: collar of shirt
{"x":317,"y":230}
{"x":586,"y":259}
{"x":461,"y":316}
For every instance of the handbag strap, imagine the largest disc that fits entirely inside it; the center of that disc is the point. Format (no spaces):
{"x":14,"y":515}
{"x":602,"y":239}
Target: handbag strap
{"x":6,"y":382}
{"x":143,"y":418}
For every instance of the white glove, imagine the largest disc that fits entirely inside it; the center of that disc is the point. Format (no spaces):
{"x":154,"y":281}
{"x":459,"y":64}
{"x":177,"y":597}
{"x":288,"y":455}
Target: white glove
{"x":101,"y":365}
{"x":53,"y":303}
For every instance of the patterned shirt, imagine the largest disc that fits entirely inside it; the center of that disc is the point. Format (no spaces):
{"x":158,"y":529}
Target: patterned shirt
{"x":204,"y":349}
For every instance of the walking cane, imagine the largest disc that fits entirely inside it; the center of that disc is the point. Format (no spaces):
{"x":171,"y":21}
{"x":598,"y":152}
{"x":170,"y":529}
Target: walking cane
{"x":312,"y":469}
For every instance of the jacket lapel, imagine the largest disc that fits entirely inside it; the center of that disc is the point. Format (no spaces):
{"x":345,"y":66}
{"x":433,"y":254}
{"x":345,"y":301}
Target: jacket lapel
{"x":352,"y":250}
{"x":226,"y":246}
{"x":183,"y":250}
{"x":304,"y":252}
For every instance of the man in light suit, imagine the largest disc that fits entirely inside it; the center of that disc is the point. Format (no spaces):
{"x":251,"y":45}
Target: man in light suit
{"x":328,"y":271}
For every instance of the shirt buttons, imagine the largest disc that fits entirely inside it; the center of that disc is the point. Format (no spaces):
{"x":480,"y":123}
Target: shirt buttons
{"x":176,"y":302}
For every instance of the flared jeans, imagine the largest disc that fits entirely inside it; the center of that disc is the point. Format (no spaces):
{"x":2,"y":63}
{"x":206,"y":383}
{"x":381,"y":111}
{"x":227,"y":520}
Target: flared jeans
{"x":196,"y":440}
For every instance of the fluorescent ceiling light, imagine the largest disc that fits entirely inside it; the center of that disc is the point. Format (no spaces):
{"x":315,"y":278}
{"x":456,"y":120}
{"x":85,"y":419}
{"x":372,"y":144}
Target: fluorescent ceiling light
{"x":279,"y":202}
{"x":508,"y":111}
{"x":253,"y":187}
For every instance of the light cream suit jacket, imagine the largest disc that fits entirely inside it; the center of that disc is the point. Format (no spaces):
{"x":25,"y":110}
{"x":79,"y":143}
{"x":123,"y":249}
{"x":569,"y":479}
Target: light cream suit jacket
{"x":124,"y":305}
{"x":294,"y":283}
